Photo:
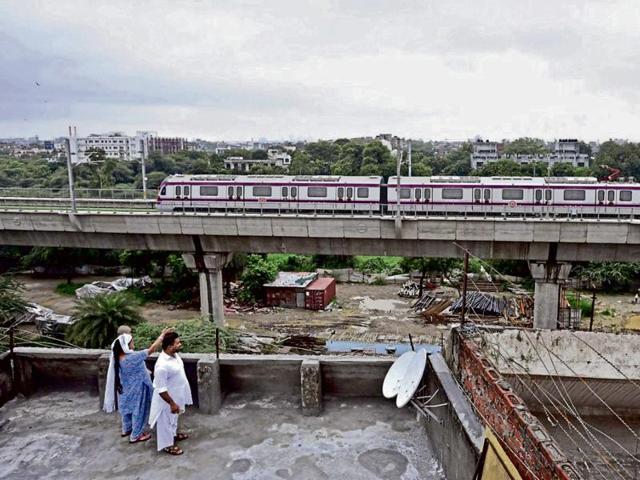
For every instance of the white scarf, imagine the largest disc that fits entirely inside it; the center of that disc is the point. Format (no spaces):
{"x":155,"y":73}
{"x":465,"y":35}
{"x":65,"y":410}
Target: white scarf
{"x":109,"y":404}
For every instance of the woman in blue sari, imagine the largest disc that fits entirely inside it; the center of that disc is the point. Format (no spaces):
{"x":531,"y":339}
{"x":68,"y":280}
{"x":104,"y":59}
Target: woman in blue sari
{"x":129,"y":387}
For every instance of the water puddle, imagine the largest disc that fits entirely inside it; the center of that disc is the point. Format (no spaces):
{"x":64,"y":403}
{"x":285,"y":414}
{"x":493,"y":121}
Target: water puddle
{"x":397,"y":349}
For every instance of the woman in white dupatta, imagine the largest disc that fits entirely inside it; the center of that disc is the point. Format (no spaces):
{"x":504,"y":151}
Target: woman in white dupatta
{"x":129,"y":386}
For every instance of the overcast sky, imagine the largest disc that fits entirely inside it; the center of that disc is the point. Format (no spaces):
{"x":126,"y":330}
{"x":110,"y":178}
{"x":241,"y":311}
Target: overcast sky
{"x":221,"y":69}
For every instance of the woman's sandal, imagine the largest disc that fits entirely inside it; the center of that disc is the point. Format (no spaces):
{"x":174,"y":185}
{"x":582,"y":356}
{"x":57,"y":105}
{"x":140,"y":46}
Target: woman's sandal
{"x":142,"y":438}
{"x":173,"y":450}
{"x":181,"y":436}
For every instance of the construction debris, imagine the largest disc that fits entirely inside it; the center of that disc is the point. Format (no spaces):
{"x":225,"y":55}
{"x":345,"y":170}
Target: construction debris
{"x":409,"y":289}
{"x":481,"y":304}
{"x":98,"y":288}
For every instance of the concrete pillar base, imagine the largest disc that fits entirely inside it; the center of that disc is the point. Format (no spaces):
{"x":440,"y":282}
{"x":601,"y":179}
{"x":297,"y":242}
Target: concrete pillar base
{"x":311,"y":387}
{"x":209,"y":268}
{"x":549,"y":276}
{"x":209,"y":390}
{"x":103,"y":368}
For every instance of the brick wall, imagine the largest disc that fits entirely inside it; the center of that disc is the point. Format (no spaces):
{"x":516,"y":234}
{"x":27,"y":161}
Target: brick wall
{"x":531,"y":448}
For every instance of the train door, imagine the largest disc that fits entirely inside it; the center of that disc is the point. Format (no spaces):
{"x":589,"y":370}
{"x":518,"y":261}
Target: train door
{"x":293,"y":193}
{"x":186,"y":197}
{"x":284,"y":193}
{"x":350,"y":198}
{"x":341,"y":193}
{"x":240,"y":196}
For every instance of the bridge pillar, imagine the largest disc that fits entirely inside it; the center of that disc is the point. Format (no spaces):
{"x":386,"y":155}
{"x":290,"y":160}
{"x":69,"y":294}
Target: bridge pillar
{"x":548,"y":277}
{"x":209,"y":267}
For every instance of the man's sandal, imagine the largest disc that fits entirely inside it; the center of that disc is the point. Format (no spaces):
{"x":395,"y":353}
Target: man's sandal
{"x":181,"y":436}
{"x":173,"y":450}
{"x":142,"y":438}
{"x":128,"y":434}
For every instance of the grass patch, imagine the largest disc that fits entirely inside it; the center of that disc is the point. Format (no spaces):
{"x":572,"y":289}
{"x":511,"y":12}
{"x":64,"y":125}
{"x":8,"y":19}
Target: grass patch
{"x":68,"y":288}
{"x":584,"y":306}
{"x":198,"y":336}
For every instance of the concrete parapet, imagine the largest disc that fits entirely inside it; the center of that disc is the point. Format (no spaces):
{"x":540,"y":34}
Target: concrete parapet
{"x":6,"y":379}
{"x":103,"y":368}
{"x":209,"y":389}
{"x":311,"y":387}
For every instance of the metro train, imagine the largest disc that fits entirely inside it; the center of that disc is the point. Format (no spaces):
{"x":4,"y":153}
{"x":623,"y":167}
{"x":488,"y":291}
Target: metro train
{"x":418,"y":195}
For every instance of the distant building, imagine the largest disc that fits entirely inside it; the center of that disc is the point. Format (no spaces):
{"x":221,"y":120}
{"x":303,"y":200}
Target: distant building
{"x":300,"y":289}
{"x":115,"y":145}
{"x":564,"y":151}
{"x":275,"y":158}
{"x":166,"y":145}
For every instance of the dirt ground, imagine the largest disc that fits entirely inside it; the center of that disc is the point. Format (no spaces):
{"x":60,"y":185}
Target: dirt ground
{"x":366,"y":313}
{"x":614,"y":312}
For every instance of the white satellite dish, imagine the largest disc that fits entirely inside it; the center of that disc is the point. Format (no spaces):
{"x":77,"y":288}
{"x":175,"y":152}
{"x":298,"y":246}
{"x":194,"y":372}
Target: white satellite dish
{"x":396,"y":373}
{"x":412,"y":378}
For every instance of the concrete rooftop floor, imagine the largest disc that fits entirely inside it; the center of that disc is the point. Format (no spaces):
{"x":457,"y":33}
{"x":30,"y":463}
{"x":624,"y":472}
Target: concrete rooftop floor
{"x":63,"y":435}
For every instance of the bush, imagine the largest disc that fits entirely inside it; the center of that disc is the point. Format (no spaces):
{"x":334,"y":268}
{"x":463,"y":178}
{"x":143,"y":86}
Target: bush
{"x":198,"y":336}
{"x":11,"y":302}
{"x":68,"y":288}
{"x":292,"y":263}
{"x":97,"y":319}
{"x":585,"y":304}
{"x":368,"y":264}
{"x":257,"y":272}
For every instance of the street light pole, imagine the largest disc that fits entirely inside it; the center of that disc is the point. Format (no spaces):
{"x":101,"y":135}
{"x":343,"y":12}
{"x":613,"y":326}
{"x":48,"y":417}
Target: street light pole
{"x":144,"y":173}
{"x":72,"y":193}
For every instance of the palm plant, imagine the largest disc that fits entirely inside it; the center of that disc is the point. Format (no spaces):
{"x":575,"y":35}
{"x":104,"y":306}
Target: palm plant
{"x":97,"y":319}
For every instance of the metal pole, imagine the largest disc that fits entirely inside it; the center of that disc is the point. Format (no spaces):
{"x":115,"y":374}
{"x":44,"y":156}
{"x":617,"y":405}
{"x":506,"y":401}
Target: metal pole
{"x":12,"y":356}
{"x":464,"y":286}
{"x":217,"y":342}
{"x":409,"y":157}
{"x":411,"y":342}
{"x":144,"y":171}
{"x":72,"y":193}
{"x":398,"y":218}
{"x":593,"y":308}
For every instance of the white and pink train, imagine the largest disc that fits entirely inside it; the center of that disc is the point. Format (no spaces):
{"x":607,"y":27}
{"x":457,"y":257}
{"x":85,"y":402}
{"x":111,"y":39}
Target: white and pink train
{"x":419,"y":195}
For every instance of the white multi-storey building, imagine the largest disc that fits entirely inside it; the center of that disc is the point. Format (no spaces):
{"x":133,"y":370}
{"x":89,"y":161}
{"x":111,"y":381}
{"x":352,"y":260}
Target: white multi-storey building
{"x":115,"y":145}
{"x":274,"y":159}
{"x":564,"y":151}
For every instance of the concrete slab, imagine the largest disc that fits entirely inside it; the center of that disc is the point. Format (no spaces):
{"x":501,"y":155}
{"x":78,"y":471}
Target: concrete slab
{"x":62,"y":435}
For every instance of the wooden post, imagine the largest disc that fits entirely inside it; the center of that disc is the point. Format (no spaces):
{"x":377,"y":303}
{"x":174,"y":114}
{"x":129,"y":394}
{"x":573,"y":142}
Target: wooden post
{"x":593,"y":309}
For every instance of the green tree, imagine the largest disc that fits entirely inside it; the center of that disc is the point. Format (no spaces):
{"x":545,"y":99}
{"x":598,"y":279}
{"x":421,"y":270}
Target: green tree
{"x":257,"y":272}
{"x":97,"y":319}
{"x":526,"y":146}
{"x":144,"y":262}
{"x":501,"y":168}
{"x":350,"y":160}
{"x":564,"y":169}
{"x":611,"y":275}
{"x":424,"y":265}
{"x":377,"y":160}
{"x":11,"y":302}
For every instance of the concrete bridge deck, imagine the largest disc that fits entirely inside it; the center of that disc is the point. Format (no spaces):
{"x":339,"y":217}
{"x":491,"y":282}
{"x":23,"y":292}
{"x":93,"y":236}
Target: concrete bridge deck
{"x":563,"y":239}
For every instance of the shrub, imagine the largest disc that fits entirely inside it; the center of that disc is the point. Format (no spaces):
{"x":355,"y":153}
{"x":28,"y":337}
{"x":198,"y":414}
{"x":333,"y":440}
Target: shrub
{"x":257,"y":272}
{"x":68,"y":288}
{"x":198,"y":336}
{"x":97,"y":319}
{"x":11,"y":302}
{"x":584,"y":306}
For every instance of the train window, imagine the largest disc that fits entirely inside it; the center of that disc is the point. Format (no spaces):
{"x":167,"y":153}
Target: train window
{"x":294,"y":192}
{"x":487,"y":194}
{"x":575,"y":195}
{"x":547,"y":195}
{"x":601,"y":195}
{"x":625,"y":195}
{"x":163,"y":191}
{"x":238,"y":192}
{"x":538,"y":195}
{"x":349,"y":192}
{"x":452,"y":193}
{"x":418,"y":194}
{"x":512,"y":194}
{"x":405,"y":193}
{"x":178,"y":190}
{"x":285,"y":191}
{"x":340,"y":192}
{"x":477,"y":193}
{"x":611,"y":195}
{"x":262,"y":191}
{"x":186,"y":190}
{"x":209,"y":191}
{"x":362,"y":192}
{"x":427,"y":193}
{"x":230,"y":192}
{"x":317,"y":192}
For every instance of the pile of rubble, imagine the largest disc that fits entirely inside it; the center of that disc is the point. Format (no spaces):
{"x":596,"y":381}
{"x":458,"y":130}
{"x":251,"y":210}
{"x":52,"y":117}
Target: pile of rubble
{"x":99,"y":288}
{"x":47,"y":322}
{"x":409,"y":289}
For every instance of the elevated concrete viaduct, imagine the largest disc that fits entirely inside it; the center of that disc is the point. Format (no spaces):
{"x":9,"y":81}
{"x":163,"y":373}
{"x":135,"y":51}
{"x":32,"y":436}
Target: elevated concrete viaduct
{"x":550,"y":245}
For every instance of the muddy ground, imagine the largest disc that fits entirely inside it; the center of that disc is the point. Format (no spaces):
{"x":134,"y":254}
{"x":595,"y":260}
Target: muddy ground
{"x":366,"y":313}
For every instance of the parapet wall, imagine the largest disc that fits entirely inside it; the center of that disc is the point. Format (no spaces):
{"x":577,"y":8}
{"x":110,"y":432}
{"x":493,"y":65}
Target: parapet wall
{"x":48,"y":368}
{"x":533,"y":451}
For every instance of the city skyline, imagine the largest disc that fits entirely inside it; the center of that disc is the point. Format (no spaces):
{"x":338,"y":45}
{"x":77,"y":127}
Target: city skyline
{"x":242,"y":70}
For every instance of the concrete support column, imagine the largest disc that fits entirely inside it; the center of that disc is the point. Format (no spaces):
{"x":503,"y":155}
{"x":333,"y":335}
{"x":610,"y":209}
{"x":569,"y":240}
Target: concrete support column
{"x":209,"y":389}
{"x":103,"y":368}
{"x":549,"y":276}
{"x":209,"y":267}
{"x":311,"y":387}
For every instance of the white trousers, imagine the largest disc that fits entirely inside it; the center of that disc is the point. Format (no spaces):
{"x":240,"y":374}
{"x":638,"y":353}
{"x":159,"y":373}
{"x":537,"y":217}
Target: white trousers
{"x":166,"y":429}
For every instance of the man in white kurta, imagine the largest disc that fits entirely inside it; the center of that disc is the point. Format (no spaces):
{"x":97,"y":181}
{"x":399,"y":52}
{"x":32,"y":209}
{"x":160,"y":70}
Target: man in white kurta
{"x":170,"y":395}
